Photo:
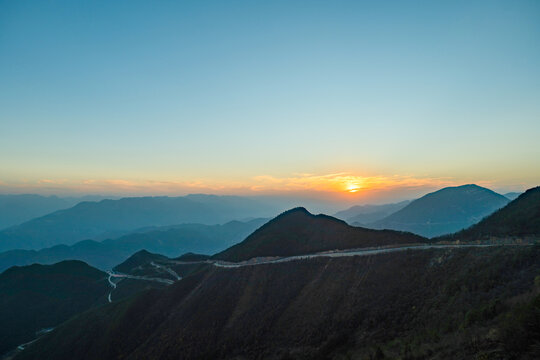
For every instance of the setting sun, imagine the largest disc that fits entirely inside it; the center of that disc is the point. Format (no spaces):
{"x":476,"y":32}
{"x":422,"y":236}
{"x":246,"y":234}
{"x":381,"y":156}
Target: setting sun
{"x":352,"y":188}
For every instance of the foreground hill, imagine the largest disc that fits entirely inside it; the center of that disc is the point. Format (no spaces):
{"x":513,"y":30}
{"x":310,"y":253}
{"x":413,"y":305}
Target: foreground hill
{"x":520,"y":218}
{"x":297,"y":232}
{"x":170,"y":241}
{"x":37,"y":297}
{"x":443,"y":303}
{"x":91,"y":220}
{"x":445,"y":211}
{"x":366,"y":214}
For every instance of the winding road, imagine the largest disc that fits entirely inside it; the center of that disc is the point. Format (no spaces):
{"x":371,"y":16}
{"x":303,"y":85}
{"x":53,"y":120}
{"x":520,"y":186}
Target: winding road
{"x":277,"y":260}
{"x":136,"y":277}
{"x":167,"y":269}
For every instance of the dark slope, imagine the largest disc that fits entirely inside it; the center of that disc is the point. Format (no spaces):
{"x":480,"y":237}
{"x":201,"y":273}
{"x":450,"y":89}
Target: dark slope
{"x":445,"y":211}
{"x":520,"y":218}
{"x":88,"y":220}
{"x":297,"y":232}
{"x":192,"y":257}
{"x":170,"y":241}
{"x":36,"y":297}
{"x":365,"y":214}
{"x":413,"y":304}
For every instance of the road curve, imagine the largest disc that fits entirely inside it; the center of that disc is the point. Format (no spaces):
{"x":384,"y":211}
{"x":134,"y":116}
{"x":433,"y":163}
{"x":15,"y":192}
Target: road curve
{"x":135,"y":277}
{"x":167,"y":269}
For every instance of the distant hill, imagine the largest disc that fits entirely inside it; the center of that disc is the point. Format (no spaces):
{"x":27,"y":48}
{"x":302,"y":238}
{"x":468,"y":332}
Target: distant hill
{"x":519,"y":218}
{"x":36,"y":297}
{"x":365,"y":214}
{"x":468,"y":303}
{"x":297,"y":232}
{"x":16,"y":209}
{"x":88,"y":220}
{"x":444,"y":211}
{"x":170,"y":241}
{"x":512,"y":195}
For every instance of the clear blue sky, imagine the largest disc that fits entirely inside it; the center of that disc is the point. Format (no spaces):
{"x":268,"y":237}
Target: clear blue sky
{"x":226,"y":96}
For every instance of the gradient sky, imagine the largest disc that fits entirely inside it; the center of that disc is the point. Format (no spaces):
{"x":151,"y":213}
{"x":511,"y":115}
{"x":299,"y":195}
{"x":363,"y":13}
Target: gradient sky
{"x":172,"y":97}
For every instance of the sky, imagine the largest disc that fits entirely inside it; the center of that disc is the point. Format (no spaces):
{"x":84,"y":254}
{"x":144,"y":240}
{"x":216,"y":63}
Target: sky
{"x":362,"y":101}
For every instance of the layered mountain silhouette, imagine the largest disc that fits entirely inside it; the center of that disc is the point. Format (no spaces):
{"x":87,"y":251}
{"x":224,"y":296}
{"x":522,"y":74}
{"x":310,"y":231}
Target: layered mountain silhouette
{"x":520,"y":218}
{"x":411,"y":303}
{"x":444,"y":211}
{"x":366,"y":214}
{"x":297,"y":232}
{"x":99,"y":220}
{"x":170,"y":241}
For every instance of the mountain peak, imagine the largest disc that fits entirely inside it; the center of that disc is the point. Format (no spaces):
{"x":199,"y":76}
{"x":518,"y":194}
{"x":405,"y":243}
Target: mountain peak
{"x":297,"y":232}
{"x":521,"y":217}
{"x":296,"y":210}
{"x":444,"y":211}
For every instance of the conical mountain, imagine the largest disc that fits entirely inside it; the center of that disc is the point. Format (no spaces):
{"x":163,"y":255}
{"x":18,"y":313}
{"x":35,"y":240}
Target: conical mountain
{"x":444,"y":211}
{"x":297,"y":232}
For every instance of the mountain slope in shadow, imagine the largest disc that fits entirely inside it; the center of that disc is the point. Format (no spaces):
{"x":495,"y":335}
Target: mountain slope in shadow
{"x":408,"y":304}
{"x":42,"y":296}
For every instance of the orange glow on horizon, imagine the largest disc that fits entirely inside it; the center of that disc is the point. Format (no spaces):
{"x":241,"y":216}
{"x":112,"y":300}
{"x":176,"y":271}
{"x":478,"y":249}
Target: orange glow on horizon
{"x":337,"y":185}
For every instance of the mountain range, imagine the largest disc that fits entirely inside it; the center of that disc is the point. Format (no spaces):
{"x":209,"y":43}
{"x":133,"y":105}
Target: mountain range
{"x":455,"y":302}
{"x":16,"y":209}
{"x":103,"y":219}
{"x":168,"y":240}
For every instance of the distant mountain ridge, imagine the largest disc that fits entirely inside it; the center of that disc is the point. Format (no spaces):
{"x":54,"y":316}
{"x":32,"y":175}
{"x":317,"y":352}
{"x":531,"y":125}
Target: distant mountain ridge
{"x":444,"y":211}
{"x":168,"y":240}
{"x":297,"y":232}
{"x":88,"y":220}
